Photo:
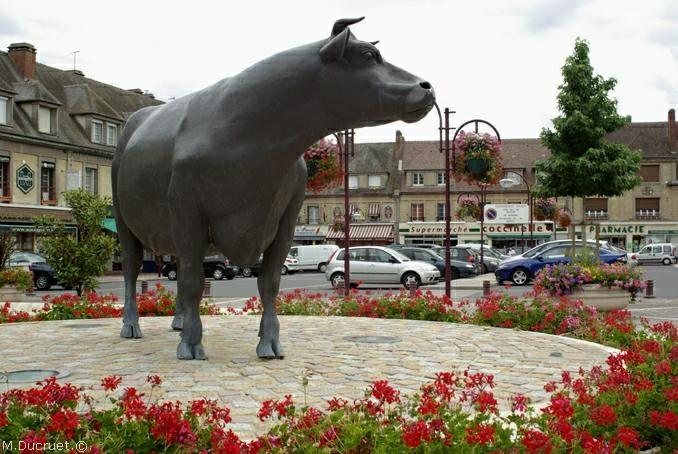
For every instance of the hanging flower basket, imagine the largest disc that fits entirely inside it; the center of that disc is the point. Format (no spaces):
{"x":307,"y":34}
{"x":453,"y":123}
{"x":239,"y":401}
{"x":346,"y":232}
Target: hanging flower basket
{"x":338,"y":224}
{"x":469,"y":210}
{"x":545,"y":209}
{"x":564,"y":219}
{"x":478,"y":158}
{"x":322,"y":164}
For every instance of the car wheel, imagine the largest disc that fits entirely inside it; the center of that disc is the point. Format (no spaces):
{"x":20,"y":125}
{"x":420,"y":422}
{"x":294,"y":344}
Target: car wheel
{"x":520,"y":276}
{"x":411,"y":278}
{"x":337,"y":279}
{"x":41,"y":282}
{"x":247,"y":272}
{"x":322,"y":267}
{"x":284,"y":270}
{"x":455,"y":273}
{"x":667,"y":261}
{"x":172,"y":275}
{"x":218,"y":274}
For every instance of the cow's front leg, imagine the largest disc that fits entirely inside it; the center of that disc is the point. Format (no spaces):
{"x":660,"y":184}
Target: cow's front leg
{"x":178,"y":320}
{"x":269,"y":283}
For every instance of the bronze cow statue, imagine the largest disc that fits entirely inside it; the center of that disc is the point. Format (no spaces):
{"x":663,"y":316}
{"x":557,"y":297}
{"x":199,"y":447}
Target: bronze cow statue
{"x":222,"y":169}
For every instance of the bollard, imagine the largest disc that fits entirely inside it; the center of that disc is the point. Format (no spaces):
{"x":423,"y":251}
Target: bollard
{"x":649,"y":290}
{"x":31,"y":290}
{"x":207,"y":289}
{"x":144,"y":287}
{"x":340,"y":288}
{"x":412,"y":287}
{"x":486,"y":288}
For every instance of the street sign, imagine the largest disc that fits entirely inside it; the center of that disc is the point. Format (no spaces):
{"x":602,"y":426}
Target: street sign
{"x":506,"y":213}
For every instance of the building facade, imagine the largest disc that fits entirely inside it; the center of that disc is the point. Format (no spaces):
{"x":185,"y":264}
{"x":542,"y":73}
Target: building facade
{"x":397,"y":194}
{"x":58,"y":132}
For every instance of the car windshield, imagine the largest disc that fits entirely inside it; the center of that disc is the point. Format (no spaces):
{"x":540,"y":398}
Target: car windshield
{"x":34,"y":257}
{"x":398,"y":255}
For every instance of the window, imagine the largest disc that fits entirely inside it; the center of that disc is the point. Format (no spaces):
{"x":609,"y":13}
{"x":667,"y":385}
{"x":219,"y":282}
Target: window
{"x":417,"y":211}
{"x":441,"y":178}
{"x":4,"y":104}
{"x":97,"y":131}
{"x":47,"y":189}
{"x":353,"y":182}
{"x":5,"y":195}
{"x":649,"y":173}
{"x":111,"y":134}
{"x":360,"y":255}
{"x":417,"y":179}
{"x":647,"y":207}
{"x":595,"y":208}
{"x":313,"y":214}
{"x":379,"y":256}
{"x":441,"y":211}
{"x":374,"y":181}
{"x":91,"y":183}
{"x":45,"y":119}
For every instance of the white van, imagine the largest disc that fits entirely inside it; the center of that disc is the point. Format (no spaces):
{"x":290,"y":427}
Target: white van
{"x":657,"y":253}
{"x":310,"y":258}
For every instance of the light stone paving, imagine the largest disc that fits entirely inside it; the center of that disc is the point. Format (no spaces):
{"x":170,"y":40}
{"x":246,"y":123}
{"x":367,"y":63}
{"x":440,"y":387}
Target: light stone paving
{"x":317,"y":347}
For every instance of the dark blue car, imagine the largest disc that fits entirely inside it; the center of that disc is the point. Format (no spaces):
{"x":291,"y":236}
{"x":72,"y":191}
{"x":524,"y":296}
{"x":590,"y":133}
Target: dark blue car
{"x":520,"y":270}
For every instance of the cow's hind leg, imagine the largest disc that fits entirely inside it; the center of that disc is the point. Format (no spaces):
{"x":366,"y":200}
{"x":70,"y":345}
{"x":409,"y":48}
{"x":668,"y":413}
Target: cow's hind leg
{"x":190,"y":238}
{"x":132,"y":258}
{"x":269,"y":346}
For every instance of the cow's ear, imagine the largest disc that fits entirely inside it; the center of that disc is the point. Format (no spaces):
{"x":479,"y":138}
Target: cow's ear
{"x":335,"y":47}
{"x":341,"y":24}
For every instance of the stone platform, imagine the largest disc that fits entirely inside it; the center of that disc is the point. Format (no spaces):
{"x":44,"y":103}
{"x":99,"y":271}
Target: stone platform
{"x":341,"y":357}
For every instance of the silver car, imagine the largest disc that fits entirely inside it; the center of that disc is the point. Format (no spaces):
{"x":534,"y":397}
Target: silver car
{"x":380,"y":265}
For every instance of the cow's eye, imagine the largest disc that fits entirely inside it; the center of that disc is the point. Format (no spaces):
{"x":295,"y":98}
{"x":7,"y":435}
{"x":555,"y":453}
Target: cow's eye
{"x":369,"y":55}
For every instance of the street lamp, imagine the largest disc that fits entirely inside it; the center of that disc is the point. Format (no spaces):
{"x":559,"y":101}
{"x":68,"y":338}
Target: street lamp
{"x":508,"y":183}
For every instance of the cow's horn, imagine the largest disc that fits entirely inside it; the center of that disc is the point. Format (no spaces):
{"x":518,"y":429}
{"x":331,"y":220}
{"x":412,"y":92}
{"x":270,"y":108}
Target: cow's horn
{"x":374,"y":43}
{"x":341,"y":24}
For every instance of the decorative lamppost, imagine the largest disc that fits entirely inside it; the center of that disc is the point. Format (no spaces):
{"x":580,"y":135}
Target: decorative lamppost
{"x":348,"y":149}
{"x":444,"y":147}
{"x":508,"y":183}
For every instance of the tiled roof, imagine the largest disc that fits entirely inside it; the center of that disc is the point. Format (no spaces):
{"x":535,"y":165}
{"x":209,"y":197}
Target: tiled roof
{"x":651,"y":138}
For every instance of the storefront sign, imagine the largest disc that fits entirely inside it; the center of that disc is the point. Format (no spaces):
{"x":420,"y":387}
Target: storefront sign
{"x":24,"y":178}
{"x":506,"y":213}
{"x":31,"y":228}
{"x":502,"y":230}
{"x":438,"y":228}
{"x":613,"y":229}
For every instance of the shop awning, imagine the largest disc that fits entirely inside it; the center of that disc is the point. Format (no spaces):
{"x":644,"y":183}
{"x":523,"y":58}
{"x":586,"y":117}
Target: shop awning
{"x":109,"y":224}
{"x":364,"y":232}
{"x":373,"y":209}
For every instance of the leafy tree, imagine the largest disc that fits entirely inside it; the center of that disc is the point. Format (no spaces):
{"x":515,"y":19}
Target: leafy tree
{"x":7,"y":247}
{"x":582,"y":162}
{"x":78,"y":259}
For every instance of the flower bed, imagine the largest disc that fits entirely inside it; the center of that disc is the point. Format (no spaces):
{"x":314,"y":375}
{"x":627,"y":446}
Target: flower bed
{"x":563,"y":279}
{"x":632,"y":404}
{"x":17,"y":278}
{"x":155,"y":303}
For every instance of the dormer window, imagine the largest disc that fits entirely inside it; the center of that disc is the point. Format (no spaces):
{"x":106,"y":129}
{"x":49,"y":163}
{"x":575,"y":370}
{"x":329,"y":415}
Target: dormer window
{"x":46,"y":120}
{"x":4,"y":110}
{"x":111,"y":134}
{"x":97,"y":131}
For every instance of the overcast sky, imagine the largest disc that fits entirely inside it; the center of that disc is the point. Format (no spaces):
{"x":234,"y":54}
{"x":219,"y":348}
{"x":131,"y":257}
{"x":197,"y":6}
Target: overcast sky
{"x":496,"y":60}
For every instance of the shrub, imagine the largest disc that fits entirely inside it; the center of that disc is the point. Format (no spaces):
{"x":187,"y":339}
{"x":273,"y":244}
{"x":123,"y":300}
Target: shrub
{"x":18,"y":278}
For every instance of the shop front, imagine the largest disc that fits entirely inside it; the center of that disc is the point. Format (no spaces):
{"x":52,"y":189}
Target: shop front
{"x":310,"y":234}
{"x":501,"y":236}
{"x":633,"y":235}
{"x":19,"y":221}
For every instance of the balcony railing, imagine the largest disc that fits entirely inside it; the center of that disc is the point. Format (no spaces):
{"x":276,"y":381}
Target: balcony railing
{"x":595,"y":214}
{"x":647,"y":214}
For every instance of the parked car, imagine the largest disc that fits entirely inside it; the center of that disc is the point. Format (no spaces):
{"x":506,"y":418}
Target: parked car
{"x":380,"y":265}
{"x":491,"y":257}
{"x":458,"y":268}
{"x":249,"y":271}
{"x":463,"y":254}
{"x":215,"y":266}
{"x":664,"y":253}
{"x":309,"y":258}
{"x":43,"y":273}
{"x":520,"y":270}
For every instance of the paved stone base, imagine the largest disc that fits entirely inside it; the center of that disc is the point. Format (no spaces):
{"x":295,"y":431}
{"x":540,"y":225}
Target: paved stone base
{"x":341,"y":357}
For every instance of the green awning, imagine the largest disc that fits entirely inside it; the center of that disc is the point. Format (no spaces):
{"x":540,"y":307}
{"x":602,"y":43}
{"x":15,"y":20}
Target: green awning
{"x":109,"y":224}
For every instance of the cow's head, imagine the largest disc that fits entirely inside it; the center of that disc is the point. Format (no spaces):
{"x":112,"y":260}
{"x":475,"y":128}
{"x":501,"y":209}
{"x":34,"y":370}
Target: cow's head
{"x":361,"y":89}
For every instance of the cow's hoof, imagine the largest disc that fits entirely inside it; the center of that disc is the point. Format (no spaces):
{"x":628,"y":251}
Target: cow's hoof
{"x":270,"y":349}
{"x":178,"y":322}
{"x":187,"y":351}
{"x":131,"y":331}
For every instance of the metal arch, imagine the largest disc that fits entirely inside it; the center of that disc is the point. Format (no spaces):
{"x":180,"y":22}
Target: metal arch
{"x":468,"y":194}
{"x":476,"y":121}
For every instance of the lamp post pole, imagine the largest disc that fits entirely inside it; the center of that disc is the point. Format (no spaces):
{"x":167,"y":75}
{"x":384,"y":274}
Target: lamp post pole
{"x":344,"y":152}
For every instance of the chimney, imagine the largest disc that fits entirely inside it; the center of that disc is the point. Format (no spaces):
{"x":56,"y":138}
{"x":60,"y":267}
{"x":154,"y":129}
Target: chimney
{"x":23,"y":55}
{"x":673,"y":130}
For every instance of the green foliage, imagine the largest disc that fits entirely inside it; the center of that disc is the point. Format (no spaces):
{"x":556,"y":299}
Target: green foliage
{"x":583,"y":163}
{"x":7,"y":246}
{"x":18,"y":278}
{"x":78,"y":259}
